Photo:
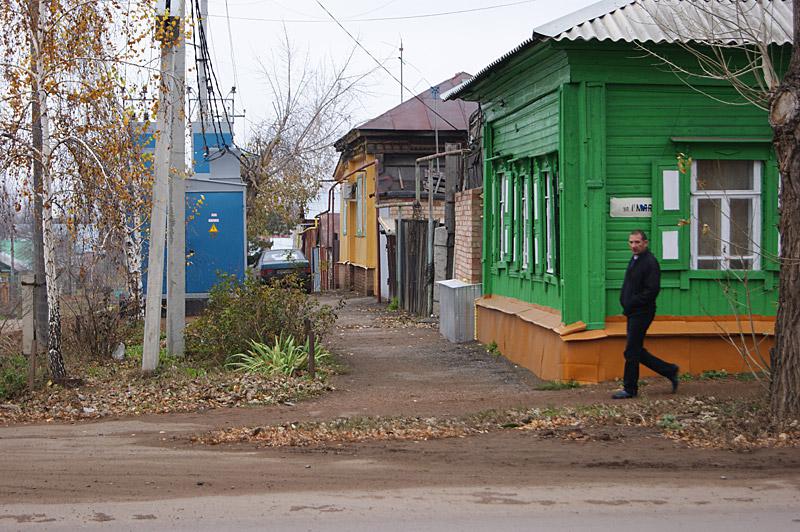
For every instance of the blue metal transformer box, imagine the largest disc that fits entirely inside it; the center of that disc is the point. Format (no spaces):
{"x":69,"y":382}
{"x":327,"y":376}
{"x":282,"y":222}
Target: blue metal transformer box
{"x":216,"y":229}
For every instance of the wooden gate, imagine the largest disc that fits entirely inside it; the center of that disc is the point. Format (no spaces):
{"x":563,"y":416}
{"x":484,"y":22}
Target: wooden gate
{"x":413,"y":259}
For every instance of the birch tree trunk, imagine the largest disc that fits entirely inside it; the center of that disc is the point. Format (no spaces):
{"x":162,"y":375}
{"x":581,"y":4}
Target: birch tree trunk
{"x":133,"y":266}
{"x":784,"y":118}
{"x":58,"y":371}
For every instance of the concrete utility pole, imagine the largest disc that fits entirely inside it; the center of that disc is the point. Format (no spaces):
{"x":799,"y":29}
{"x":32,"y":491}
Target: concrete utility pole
{"x":169,"y":32}
{"x":176,"y":223}
{"x":39,"y":282}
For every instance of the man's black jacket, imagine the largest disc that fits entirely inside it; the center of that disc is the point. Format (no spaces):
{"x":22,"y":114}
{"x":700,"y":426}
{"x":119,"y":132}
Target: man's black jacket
{"x":641,"y":286}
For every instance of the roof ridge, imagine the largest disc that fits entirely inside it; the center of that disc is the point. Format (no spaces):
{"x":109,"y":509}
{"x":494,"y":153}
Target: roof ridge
{"x":581,"y":16}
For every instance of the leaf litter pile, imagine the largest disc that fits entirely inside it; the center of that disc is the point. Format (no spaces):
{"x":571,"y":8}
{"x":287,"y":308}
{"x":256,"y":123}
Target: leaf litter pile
{"x":118,"y":389}
{"x":708,"y":423}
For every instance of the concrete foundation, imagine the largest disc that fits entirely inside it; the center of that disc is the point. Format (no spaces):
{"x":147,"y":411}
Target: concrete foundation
{"x":535,"y":338}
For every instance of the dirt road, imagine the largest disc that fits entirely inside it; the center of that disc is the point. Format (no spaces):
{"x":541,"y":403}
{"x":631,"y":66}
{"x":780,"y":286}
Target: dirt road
{"x":69,"y":474}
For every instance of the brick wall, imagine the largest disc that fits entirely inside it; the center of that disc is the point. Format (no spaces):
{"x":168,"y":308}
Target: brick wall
{"x":363,"y":280}
{"x":405,"y":210}
{"x":469,"y":235}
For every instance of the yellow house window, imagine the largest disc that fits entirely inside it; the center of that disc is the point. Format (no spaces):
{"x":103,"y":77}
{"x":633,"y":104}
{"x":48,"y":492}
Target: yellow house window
{"x":345,"y":204}
{"x":361,"y":201}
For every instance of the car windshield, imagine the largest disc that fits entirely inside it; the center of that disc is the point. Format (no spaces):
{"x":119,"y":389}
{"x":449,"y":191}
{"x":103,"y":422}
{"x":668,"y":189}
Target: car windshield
{"x":282,"y":255}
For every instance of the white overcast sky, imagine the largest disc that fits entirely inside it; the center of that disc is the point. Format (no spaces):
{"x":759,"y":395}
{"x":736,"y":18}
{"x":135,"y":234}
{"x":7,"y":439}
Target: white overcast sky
{"x":435,"y":47}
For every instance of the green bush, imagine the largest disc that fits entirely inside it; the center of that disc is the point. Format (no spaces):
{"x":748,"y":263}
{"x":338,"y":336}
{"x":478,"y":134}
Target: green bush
{"x":239,"y":313}
{"x":13,"y":376}
{"x":284,"y":357}
{"x":394,"y":304}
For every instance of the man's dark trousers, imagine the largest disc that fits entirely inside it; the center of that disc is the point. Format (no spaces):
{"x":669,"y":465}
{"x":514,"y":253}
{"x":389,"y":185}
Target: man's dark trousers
{"x":635,"y":353}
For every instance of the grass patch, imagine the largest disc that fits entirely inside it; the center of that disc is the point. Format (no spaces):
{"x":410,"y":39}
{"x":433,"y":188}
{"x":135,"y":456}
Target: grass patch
{"x":13,"y":376}
{"x":714,"y":374}
{"x":492,"y":349}
{"x":558,"y":385}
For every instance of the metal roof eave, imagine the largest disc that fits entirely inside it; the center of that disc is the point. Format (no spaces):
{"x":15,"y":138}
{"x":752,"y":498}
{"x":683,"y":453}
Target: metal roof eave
{"x":457,"y":91}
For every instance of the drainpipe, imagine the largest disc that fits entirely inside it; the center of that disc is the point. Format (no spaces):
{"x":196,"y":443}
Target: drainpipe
{"x":429,"y":275}
{"x":329,"y":210}
{"x":378,"y":244}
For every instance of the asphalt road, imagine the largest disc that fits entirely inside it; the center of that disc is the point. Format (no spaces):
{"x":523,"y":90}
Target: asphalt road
{"x":762,"y":506}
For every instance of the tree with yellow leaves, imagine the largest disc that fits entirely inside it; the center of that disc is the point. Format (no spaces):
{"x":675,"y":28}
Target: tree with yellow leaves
{"x":63,"y":118}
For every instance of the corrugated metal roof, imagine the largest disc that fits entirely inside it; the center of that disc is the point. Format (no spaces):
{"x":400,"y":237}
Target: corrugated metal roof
{"x":722,"y":21}
{"x":416,"y":113}
{"x":718,"y":21}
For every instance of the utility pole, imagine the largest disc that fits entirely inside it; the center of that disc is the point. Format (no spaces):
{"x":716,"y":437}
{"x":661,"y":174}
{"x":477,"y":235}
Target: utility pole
{"x":401,"y":71}
{"x":176,"y":222}
{"x":39,"y":282}
{"x":168,"y":31}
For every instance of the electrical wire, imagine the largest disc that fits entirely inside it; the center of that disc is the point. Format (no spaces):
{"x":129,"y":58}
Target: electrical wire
{"x":382,"y":19}
{"x":213,"y":90}
{"x":200,"y":110}
{"x":230,"y":42}
{"x":358,"y":43}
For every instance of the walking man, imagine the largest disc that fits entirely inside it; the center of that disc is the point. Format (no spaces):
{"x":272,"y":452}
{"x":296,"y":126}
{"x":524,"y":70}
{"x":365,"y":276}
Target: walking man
{"x":638,"y":299}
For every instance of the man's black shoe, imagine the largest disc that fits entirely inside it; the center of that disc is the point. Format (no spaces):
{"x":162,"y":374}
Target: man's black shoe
{"x":622,"y":394}
{"x":674,"y":379}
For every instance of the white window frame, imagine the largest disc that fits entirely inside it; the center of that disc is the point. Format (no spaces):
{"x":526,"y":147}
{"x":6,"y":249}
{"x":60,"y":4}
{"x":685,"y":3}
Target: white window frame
{"x":360,"y":204}
{"x":526,"y":221}
{"x":534,"y":186}
{"x":725,"y":196}
{"x":503,"y":202}
{"x":345,"y":205}
{"x":514,"y":214}
{"x":549,"y":237}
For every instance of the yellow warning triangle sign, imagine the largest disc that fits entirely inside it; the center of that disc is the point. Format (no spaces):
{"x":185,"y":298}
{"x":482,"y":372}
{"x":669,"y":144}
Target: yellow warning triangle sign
{"x":213,"y":229}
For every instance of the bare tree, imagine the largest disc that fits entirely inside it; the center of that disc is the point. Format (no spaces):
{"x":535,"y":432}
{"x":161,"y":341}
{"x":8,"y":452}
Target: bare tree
{"x":293,"y":150}
{"x":739,"y":42}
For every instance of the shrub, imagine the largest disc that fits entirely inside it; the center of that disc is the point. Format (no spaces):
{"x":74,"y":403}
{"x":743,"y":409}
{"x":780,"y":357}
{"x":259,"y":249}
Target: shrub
{"x":96,"y":326}
{"x":394,"y":304}
{"x":13,"y":376}
{"x":239,"y":313}
{"x":285,"y":357}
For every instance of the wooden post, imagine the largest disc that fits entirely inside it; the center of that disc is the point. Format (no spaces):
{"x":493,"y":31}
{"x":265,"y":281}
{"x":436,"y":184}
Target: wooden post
{"x":29,"y":346}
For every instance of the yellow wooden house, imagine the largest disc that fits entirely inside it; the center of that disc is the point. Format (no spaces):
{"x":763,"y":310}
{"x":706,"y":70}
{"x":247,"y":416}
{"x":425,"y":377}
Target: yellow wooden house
{"x":376,"y":173}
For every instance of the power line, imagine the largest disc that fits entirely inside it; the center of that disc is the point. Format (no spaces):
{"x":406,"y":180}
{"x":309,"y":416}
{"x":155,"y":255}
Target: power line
{"x":383,"y":67}
{"x":230,"y":41}
{"x":383,"y":19}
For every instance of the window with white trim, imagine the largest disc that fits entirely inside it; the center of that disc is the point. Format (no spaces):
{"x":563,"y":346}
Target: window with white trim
{"x":726,"y":214}
{"x":503,"y":217}
{"x":345,"y":205}
{"x":515,"y":220}
{"x":360,"y":204}
{"x":526,"y":221}
{"x":551,"y":220}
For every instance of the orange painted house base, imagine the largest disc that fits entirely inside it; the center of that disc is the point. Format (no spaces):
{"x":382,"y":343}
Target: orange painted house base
{"x":535,"y":338}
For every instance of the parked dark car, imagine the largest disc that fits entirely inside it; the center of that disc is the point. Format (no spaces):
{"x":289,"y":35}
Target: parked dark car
{"x":279,"y":263}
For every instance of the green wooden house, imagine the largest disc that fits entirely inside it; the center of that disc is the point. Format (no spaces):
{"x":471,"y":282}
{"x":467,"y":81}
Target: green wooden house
{"x":590,"y":134}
